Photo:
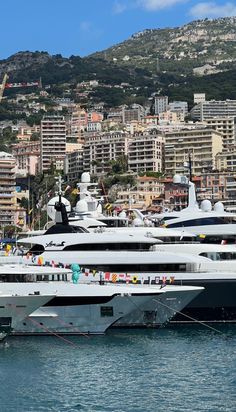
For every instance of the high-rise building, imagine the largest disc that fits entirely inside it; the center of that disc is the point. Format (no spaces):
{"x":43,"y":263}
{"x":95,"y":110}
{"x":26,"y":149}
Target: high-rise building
{"x":213,"y":108}
{"x":160,"y":104}
{"x":52,"y":141}
{"x":226,"y":126}
{"x":101,"y":148}
{"x":146,"y":152}
{"x":7,"y":189}
{"x":201,"y":144}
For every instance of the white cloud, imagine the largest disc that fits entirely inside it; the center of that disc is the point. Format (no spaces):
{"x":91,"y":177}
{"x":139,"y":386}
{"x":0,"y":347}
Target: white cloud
{"x":118,"y":7}
{"x":153,"y":5}
{"x":212,"y":10}
{"x":85,"y":26}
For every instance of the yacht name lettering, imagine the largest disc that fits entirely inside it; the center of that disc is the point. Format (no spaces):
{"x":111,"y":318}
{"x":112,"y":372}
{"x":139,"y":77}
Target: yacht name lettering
{"x":50,"y":244}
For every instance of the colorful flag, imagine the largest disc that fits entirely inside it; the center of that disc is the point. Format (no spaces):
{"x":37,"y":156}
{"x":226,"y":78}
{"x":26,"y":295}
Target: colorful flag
{"x":107,"y":276}
{"x":127,"y":278}
{"x":114,"y":277}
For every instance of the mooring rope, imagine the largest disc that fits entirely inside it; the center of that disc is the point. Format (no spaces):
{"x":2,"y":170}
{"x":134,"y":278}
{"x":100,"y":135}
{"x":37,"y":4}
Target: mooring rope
{"x":48,"y":330}
{"x":70,"y":326}
{"x":189,"y":317}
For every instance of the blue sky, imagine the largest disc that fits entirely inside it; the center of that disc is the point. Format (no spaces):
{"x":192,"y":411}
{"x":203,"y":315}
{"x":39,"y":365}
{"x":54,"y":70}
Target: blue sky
{"x":81,"y":27}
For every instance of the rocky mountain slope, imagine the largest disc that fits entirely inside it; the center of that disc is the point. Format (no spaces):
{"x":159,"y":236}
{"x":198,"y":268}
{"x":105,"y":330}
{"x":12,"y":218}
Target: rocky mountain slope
{"x":186,"y":49}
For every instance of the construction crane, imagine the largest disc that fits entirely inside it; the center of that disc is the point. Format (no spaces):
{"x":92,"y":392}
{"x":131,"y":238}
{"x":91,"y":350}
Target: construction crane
{"x":3,"y":85}
{"x":6,"y":85}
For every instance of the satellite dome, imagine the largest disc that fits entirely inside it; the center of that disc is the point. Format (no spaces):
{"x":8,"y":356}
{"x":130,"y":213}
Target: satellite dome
{"x":177,"y":179}
{"x":219,"y":207}
{"x":81,"y":206}
{"x":122,"y":214}
{"x":85,"y":177}
{"x":51,"y":206}
{"x":206,"y":206}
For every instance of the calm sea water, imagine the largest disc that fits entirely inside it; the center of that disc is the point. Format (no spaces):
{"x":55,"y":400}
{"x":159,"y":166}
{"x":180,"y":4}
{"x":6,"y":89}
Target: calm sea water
{"x":171,"y":369}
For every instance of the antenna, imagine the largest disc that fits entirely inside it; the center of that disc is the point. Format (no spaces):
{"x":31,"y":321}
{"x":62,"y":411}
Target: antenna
{"x":59,"y":182}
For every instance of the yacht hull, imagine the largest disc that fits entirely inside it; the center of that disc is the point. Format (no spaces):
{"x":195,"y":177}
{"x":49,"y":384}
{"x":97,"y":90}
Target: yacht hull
{"x":158,"y":311}
{"x":216,"y":304}
{"x":79,"y":309}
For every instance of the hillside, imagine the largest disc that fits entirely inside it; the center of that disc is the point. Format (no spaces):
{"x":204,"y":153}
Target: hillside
{"x":198,"y":57}
{"x":180,"y":49}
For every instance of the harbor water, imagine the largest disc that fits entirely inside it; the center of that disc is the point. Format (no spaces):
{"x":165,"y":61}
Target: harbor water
{"x":173,"y":369}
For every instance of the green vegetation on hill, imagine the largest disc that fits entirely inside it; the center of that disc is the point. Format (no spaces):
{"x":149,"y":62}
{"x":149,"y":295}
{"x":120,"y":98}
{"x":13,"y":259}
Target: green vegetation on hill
{"x":153,"y":61}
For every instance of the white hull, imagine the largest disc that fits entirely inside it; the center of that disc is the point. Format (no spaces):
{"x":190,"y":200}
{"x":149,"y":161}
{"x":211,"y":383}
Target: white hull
{"x":83,"y":314}
{"x":159,"y":311}
{"x":13,"y":309}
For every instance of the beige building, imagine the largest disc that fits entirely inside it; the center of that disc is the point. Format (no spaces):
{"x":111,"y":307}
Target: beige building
{"x":146,"y":152}
{"x":202,"y":144}
{"x":27,"y":157}
{"x":52,"y":141}
{"x":224,"y":125}
{"x":148,"y":189}
{"x":226,"y":160}
{"x":101,"y":148}
{"x":7,"y":189}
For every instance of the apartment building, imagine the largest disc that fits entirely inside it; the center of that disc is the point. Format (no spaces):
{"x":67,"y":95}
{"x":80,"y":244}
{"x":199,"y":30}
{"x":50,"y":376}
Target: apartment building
{"x":73,"y":165}
{"x":160,"y":104}
{"x":7,"y":189}
{"x":77,"y":122}
{"x":213,"y":108}
{"x":27,"y":157}
{"x":136,"y":112}
{"x":226,"y":160}
{"x":147,"y":191}
{"x":201,"y":144}
{"x":179,"y":107}
{"x":226,"y":126}
{"x":52,"y":141}
{"x":101,"y":149}
{"x":146,"y":152}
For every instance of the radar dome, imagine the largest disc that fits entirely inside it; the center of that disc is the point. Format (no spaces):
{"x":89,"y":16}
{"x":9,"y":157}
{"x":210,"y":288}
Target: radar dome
{"x":81,"y":206}
{"x":177,"y":179}
{"x":51,"y":206}
{"x":219,"y":207}
{"x":122,"y":214}
{"x":85,"y":177}
{"x":206,"y":205}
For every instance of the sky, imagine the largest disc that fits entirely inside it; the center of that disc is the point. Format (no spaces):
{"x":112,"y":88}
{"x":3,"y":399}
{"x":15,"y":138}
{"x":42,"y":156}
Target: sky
{"x":82,"y":27}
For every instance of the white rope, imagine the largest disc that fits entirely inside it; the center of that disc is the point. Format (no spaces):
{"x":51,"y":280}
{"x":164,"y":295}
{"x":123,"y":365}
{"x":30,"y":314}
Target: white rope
{"x":189,"y":317}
